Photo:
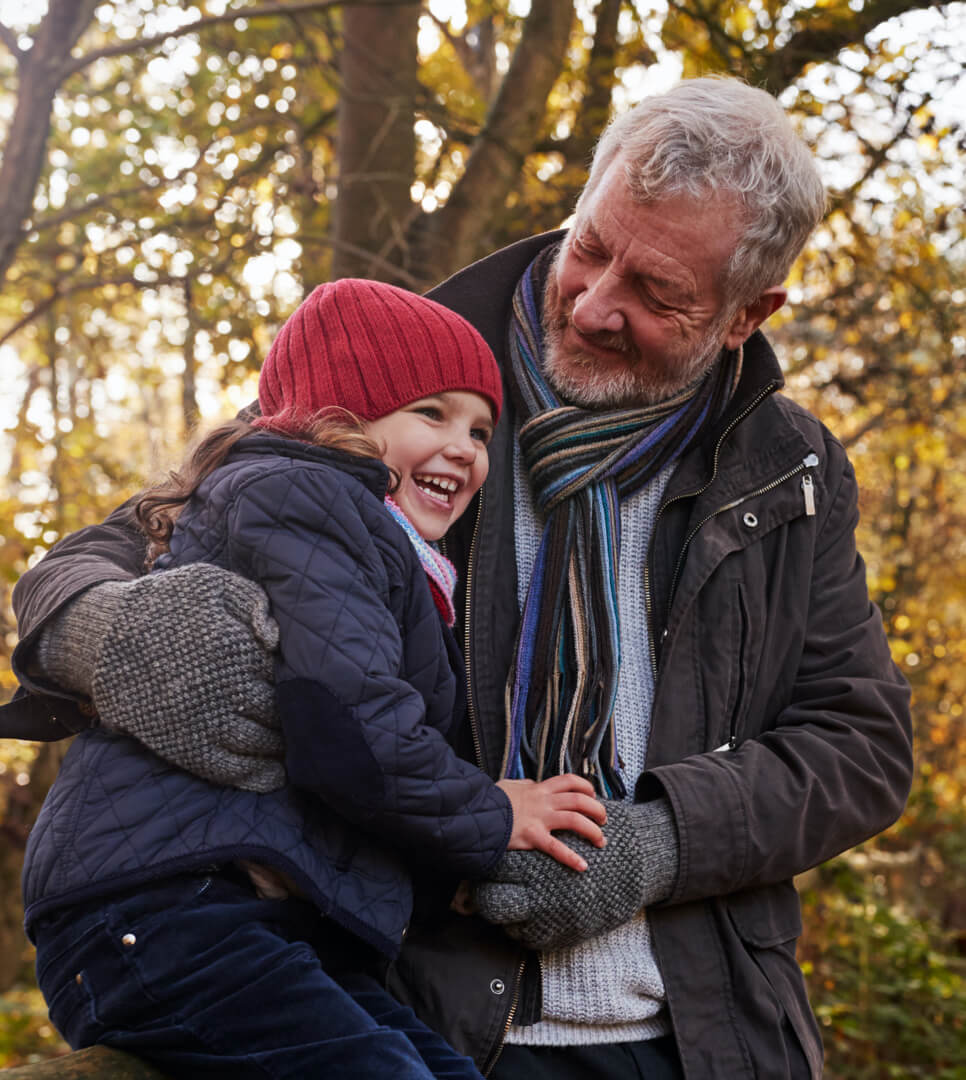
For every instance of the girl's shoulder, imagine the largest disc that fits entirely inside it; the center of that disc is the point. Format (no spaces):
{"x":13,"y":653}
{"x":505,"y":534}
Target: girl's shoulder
{"x":264,"y":461}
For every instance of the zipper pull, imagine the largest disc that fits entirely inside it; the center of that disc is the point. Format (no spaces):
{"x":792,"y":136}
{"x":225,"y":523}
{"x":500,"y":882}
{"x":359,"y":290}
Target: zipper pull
{"x":808,"y":490}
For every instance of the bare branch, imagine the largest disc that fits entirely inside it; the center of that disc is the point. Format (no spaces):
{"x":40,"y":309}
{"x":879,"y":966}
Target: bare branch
{"x":452,"y":237}
{"x":391,"y":271}
{"x":599,"y":82}
{"x":263,"y":11}
{"x":63,"y":291}
{"x":478,"y":61}
{"x":823,"y":34}
{"x":9,"y":38}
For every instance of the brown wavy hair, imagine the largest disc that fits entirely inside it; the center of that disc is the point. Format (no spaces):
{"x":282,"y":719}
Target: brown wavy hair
{"x":157,"y":508}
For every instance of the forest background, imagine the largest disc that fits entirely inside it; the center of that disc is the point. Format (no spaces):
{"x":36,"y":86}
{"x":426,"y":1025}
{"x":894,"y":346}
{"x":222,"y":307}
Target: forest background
{"x":175,"y":177}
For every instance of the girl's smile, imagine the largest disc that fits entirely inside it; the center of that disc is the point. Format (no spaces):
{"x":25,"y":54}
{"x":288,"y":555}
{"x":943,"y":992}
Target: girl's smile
{"x":438,"y":447}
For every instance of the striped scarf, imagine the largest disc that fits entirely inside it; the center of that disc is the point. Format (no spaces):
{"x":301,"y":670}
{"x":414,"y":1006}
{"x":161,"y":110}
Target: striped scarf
{"x":440,"y":571}
{"x":562,"y":685}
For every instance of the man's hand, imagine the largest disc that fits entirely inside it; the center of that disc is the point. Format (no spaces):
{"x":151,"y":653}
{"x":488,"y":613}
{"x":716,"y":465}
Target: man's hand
{"x":186,"y":668}
{"x":547,"y":906}
{"x":562,"y":802}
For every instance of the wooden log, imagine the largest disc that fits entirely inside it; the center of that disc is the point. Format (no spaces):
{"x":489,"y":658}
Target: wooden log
{"x":101,"y":1062}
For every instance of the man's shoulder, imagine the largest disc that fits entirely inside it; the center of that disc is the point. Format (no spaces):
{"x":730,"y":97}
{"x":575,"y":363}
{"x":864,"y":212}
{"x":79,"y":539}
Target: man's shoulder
{"x":482,"y":292}
{"x":805,"y":421}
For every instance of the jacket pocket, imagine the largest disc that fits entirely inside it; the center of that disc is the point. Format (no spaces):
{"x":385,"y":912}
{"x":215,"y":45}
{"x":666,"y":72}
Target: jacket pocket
{"x":768,"y":920}
{"x":741,"y":646}
{"x":768,"y":915}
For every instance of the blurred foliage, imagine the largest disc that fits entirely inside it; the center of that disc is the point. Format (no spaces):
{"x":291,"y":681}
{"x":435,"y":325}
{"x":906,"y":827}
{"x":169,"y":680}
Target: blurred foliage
{"x":184,"y":202}
{"x":884,"y":950}
{"x":26,"y":1035}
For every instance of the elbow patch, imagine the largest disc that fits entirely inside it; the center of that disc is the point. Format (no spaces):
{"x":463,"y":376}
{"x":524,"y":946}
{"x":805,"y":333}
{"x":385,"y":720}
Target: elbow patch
{"x":325,"y":749}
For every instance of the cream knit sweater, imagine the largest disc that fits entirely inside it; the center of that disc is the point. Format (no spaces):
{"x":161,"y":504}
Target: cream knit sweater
{"x":609,"y":989}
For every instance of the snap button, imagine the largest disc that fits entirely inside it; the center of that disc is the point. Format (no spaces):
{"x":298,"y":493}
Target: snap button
{"x":128,"y":939}
{"x":750,"y":520}
{"x":79,"y":978}
{"x":497,"y":986}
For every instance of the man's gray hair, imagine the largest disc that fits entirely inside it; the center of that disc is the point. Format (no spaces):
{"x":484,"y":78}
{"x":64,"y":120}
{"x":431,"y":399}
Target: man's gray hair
{"x":718,"y":137}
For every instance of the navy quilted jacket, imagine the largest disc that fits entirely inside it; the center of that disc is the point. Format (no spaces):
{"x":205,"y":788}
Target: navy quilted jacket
{"x":366,"y":690}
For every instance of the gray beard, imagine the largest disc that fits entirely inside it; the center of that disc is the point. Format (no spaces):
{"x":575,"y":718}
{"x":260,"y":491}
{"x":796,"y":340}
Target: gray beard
{"x":590,"y":388}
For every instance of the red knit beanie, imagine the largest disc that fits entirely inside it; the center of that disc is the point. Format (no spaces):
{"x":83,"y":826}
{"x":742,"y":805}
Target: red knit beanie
{"x":371,"y":348}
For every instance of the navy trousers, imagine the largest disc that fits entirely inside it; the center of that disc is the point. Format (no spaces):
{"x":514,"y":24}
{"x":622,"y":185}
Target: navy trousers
{"x":201,"y":977}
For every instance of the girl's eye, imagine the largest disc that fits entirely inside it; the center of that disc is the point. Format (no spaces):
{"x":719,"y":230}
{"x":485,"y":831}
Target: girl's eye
{"x":482,"y":435}
{"x":432,"y":411}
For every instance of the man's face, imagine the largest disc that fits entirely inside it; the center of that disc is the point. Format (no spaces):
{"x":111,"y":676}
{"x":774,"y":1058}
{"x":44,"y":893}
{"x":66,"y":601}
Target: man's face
{"x":632,"y":310}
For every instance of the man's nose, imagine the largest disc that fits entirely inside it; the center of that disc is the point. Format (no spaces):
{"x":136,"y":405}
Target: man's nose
{"x":597,"y":308}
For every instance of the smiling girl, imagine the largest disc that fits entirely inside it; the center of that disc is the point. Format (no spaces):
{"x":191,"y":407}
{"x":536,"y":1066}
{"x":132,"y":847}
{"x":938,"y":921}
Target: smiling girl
{"x":220,"y":932}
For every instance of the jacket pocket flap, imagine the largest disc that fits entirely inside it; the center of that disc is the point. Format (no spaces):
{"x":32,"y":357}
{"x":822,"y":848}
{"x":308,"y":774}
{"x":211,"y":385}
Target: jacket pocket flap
{"x":768,"y":915}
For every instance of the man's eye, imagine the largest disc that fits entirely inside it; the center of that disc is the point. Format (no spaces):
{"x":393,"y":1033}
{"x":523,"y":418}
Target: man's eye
{"x":655,"y":303}
{"x":583,"y":251}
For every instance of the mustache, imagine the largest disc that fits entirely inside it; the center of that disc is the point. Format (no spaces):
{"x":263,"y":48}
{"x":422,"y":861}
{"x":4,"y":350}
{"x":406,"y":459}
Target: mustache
{"x":561,"y":319}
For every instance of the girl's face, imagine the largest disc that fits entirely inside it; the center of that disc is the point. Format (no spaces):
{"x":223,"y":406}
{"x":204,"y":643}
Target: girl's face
{"x":437,"y":445}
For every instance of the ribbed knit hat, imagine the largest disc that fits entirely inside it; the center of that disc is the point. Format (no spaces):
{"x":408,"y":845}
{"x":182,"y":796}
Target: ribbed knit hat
{"x":371,"y":348}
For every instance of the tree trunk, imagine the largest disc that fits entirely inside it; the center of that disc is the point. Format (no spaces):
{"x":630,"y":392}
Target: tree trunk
{"x":41,"y":71}
{"x":189,"y":381}
{"x":22,"y":803}
{"x":376,"y":142}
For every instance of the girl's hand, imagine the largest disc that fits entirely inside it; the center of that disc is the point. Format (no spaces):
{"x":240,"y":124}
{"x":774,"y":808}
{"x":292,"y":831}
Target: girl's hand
{"x":562,"y":802}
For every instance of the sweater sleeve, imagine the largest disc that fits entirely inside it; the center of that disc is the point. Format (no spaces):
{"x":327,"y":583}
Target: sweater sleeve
{"x":356,"y":729}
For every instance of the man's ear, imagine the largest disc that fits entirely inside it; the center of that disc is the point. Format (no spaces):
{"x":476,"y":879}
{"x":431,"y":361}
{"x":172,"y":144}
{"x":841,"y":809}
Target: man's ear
{"x":750,"y":317}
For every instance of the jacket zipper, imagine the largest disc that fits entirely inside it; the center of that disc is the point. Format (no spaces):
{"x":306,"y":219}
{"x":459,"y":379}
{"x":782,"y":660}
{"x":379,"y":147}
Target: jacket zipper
{"x":478,"y":749}
{"x":732,"y":743}
{"x":808,"y":493}
{"x":467,"y":661}
{"x":648,"y":605}
{"x":514,"y":1002}
{"x":809,"y":462}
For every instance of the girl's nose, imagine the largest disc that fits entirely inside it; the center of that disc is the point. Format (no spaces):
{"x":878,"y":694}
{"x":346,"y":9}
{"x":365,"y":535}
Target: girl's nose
{"x":462,"y":447}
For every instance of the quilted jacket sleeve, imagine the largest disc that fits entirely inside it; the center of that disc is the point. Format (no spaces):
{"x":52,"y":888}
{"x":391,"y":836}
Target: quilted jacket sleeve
{"x":344,"y":593}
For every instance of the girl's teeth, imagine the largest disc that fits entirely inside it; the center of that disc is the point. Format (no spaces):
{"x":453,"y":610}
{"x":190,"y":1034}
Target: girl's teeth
{"x":437,"y":482}
{"x":438,"y":496}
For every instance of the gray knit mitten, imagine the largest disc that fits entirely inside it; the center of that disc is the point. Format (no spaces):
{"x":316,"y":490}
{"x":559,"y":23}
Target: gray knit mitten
{"x":181,"y":661}
{"x":546,"y":906}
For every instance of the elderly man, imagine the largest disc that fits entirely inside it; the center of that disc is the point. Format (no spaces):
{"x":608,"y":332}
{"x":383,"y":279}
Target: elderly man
{"x":660,"y":590}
